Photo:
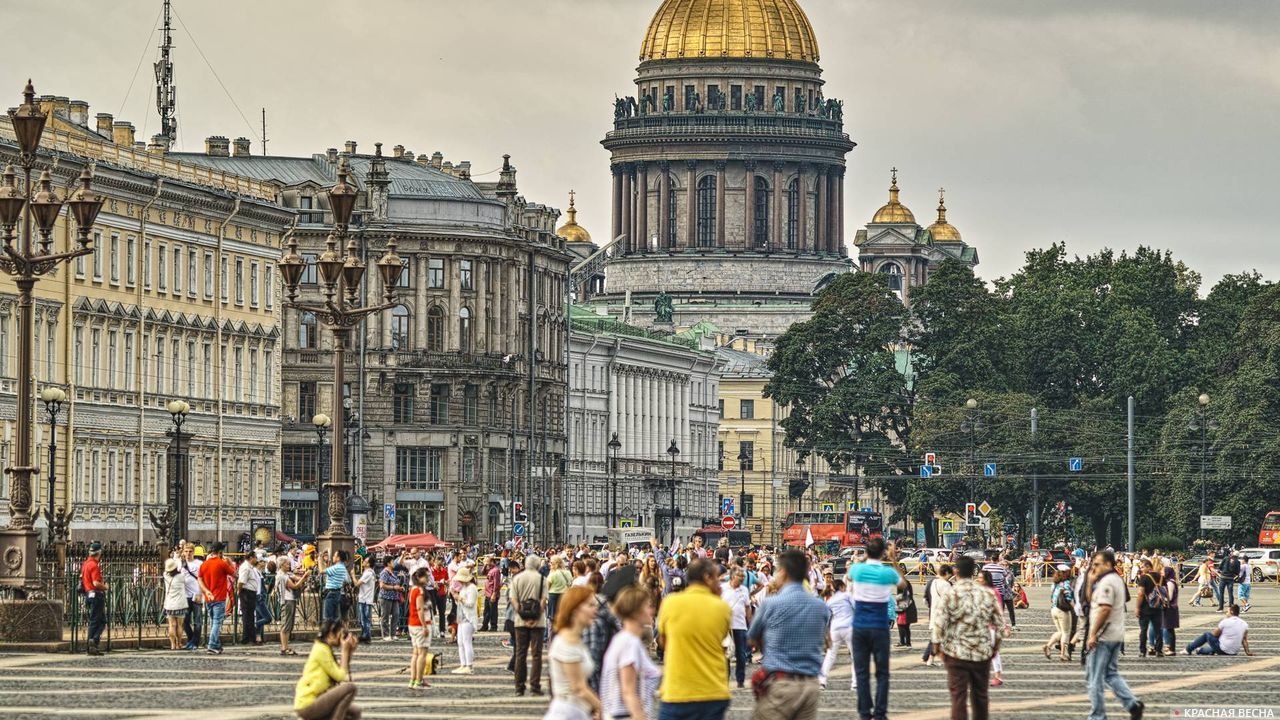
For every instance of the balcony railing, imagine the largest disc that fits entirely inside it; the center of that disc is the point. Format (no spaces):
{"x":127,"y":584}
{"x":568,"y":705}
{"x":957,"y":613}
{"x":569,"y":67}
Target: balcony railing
{"x":728,"y":123}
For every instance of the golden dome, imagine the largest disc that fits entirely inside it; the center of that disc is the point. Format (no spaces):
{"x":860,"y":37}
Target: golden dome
{"x":730,"y":28}
{"x":942,"y":230}
{"x":571,"y":230}
{"x":894,"y":211}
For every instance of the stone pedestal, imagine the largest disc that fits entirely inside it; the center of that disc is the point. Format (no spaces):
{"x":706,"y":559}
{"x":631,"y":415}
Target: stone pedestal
{"x":335,"y":542}
{"x":18,"y":563}
{"x":31,"y":621}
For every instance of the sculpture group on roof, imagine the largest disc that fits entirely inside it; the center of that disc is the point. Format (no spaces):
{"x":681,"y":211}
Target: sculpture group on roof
{"x":628,"y":107}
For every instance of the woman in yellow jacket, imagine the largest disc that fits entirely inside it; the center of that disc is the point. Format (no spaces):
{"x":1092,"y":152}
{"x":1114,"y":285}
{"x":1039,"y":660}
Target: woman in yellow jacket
{"x":325,"y":691}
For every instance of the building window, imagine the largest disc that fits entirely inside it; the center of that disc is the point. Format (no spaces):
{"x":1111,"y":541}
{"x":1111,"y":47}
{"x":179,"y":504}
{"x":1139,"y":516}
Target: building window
{"x":402,"y":403}
{"x":224,"y":279}
{"x":470,"y":404}
{"x":130,"y":260}
{"x":191,"y":272}
{"x":468,"y":467}
{"x":707,"y":211}
{"x":763,"y":201}
{"x":747,"y":409}
{"x":191,"y":369}
{"x":97,"y":260}
{"x":305,"y":203}
{"x":238,"y":377}
{"x":895,"y":275}
{"x":747,"y":455}
{"x":298,"y":466}
{"x":112,"y":380}
{"x":297,"y":517}
{"x":464,"y":330}
{"x":720,"y":455}
{"x":162,"y":268}
{"x":439,"y":404}
{"x":115,"y":258}
{"x":239,"y":281}
{"x":253,"y":284}
{"x":207,"y":385}
{"x":95,"y":356}
{"x":735,"y":97}
{"x":465,"y":277}
{"x":268,"y":360}
{"x":308,"y":331}
{"x":793,"y":213}
{"x":177,"y":271}
{"x":435,"y":329}
{"x":309,"y":272}
{"x":435,"y":273}
{"x":400,"y":328}
{"x":721,"y":407}
{"x":748,"y":506}
{"x":306,"y":402}
{"x":146,"y":263}
{"x":208,"y":276}
{"x":419,"y":468}
{"x":128,"y":360}
{"x":417,"y":517}
{"x":673,"y":202}
{"x":405,"y":274}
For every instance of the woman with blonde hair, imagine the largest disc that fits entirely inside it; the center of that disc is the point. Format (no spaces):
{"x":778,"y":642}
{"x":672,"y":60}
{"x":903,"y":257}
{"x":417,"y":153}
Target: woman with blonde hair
{"x":175,"y":600}
{"x":558,"y":581}
{"x":571,"y":662}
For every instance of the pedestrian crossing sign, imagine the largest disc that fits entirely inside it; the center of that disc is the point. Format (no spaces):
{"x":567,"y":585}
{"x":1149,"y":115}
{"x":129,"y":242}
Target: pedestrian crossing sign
{"x":828,"y":507}
{"x":851,"y":506}
{"x":626,"y":523}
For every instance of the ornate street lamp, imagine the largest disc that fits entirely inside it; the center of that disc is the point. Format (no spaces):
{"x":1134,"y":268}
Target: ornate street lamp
{"x":53,"y":398}
{"x":341,"y":271}
{"x":673,"y":451}
{"x":38,"y":208}
{"x":321,"y":423}
{"x":744,"y":457}
{"x":178,"y":498}
{"x":1203,"y":425}
{"x":612,"y":456}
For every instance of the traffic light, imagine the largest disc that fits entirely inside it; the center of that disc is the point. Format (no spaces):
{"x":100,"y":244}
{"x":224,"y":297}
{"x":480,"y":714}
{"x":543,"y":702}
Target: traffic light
{"x":517,"y":512}
{"x":971,"y":518}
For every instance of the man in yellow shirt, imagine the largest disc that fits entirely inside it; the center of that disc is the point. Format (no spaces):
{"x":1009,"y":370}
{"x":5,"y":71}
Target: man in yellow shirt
{"x":691,"y":627}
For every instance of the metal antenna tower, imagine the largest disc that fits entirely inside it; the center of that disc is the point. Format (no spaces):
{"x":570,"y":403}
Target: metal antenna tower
{"x":166,"y":93}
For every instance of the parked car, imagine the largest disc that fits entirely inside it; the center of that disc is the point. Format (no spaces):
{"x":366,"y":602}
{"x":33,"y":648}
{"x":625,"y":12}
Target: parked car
{"x":1263,"y":561}
{"x":840,"y":562}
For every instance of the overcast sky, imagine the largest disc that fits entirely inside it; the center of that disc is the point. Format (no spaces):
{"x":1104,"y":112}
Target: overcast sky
{"x":1098,"y":123}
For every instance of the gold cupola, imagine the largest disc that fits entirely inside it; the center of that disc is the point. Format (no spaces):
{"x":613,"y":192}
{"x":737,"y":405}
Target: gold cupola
{"x":943,"y":231}
{"x":571,"y":230}
{"x":776,"y":29}
{"x":894,"y":211}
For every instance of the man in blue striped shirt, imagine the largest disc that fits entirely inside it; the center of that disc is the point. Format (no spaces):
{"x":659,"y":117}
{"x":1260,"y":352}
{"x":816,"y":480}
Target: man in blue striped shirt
{"x":790,"y":630}
{"x":871,"y":586}
{"x":1003,"y":584}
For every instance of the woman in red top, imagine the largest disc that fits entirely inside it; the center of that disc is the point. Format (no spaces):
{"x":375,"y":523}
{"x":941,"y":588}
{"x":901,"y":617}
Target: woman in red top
{"x":440,"y":574}
{"x":419,"y":625}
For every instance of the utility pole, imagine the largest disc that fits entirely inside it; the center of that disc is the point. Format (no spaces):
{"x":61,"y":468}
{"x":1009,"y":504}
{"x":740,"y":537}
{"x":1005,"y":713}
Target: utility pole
{"x":166,"y":93}
{"x":264,"y":135}
{"x":1035,"y":482}
{"x":1132,"y":490}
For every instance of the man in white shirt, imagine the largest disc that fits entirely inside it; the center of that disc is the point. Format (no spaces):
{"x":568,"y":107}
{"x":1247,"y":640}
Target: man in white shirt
{"x":192,"y":557}
{"x":1229,"y":638}
{"x":366,"y":591}
{"x":735,"y":593}
{"x":1107,"y":598}
{"x":248,"y":582}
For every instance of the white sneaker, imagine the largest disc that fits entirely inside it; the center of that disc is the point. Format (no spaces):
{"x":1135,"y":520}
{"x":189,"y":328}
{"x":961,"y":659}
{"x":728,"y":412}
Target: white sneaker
{"x":466,"y":670}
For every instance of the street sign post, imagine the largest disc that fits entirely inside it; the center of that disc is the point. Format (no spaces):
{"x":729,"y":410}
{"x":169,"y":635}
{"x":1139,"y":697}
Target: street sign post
{"x":984,"y":508}
{"x":1075,"y":464}
{"x":389,"y":511}
{"x":851,"y":506}
{"x":989,"y":469}
{"x":931,"y":458}
{"x":828,"y":507}
{"x":728,"y":522}
{"x":926,"y":471}
{"x":517,"y":529}
{"x":726,"y":506}
{"x":1215,"y":522}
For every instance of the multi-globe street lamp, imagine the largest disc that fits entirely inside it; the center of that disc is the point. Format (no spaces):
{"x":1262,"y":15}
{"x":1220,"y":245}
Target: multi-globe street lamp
{"x":611,"y":456}
{"x":178,"y":495}
{"x":38,"y":208}
{"x":341,"y":271}
{"x":673,"y":451}
{"x":53,"y":398}
{"x":321,"y":422}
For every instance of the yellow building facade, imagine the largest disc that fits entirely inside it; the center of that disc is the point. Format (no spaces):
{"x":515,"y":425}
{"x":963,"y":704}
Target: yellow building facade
{"x":179,"y":300}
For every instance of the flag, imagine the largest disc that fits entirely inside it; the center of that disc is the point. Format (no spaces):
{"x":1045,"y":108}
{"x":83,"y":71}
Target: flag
{"x":808,"y":538}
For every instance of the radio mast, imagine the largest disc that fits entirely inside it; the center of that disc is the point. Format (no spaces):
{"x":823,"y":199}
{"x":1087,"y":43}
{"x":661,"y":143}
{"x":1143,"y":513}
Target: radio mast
{"x":166,"y":93}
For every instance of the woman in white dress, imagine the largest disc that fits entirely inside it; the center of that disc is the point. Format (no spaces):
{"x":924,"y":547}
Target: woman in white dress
{"x":628,"y":678}
{"x":571,"y":662}
{"x":465,"y":599}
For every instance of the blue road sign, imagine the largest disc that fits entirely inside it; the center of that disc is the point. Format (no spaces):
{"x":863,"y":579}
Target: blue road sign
{"x":926,"y":471}
{"x":726,"y":506}
{"x":866,"y":509}
{"x":989,"y":469}
{"x":1075,"y":464}
{"x":518,"y":529}
{"x":389,"y":511}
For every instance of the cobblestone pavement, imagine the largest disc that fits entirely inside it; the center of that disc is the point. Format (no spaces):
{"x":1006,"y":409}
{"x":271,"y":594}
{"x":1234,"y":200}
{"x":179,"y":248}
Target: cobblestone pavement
{"x":258,"y":682}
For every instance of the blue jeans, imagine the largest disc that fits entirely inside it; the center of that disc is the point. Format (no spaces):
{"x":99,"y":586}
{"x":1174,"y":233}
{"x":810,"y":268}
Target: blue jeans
{"x":365,"y":612}
{"x":1226,"y":594}
{"x":332,"y":609}
{"x":1206,"y":644}
{"x":217,"y":614}
{"x":705,"y":710}
{"x":262,"y":616}
{"x":1102,"y":670}
{"x":869,"y":644}
{"x":193,"y":625}
{"x":741,"y":653}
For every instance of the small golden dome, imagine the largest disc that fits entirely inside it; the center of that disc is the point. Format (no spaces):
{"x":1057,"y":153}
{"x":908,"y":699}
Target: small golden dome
{"x":571,"y":230}
{"x":943,"y":231}
{"x":894,"y":211}
{"x":730,"y":28}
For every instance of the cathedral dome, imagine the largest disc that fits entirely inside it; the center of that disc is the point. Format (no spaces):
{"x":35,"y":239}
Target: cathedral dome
{"x":894,"y":211}
{"x":571,"y":230}
{"x":775,"y":29}
{"x":943,"y":231}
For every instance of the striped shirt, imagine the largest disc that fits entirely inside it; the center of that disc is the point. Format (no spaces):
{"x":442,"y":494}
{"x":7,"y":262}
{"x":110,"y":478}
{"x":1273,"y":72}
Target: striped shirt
{"x":999,"y":579}
{"x":871,"y":585}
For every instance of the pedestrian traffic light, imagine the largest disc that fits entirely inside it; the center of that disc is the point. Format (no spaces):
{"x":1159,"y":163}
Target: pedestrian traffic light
{"x":971,"y":518}
{"x":517,"y":512}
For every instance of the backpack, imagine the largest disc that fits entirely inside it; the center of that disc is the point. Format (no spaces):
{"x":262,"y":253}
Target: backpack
{"x":530,"y":609}
{"x":1065,"y":597}
{"x":1158,"y":599}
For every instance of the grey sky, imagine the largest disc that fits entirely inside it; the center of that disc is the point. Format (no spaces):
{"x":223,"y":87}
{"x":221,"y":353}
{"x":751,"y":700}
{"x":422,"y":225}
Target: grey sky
{"x":1091,"y":122}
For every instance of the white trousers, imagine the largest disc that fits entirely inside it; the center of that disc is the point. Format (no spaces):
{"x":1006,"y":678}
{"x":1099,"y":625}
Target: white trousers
{"x":466,"y":650}
{"x":839,"y":637}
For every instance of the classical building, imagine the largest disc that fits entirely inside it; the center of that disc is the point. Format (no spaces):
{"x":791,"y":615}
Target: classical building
{"x":728,"y":171}
{"x":456,"y":396}
{"x":893,"y":243}
{"x":650,"y":388}
{"x":178,"y":301}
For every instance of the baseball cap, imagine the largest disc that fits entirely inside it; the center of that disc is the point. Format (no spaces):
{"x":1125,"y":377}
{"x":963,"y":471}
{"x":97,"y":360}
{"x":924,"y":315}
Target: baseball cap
{"x":95,"y":547}
{"x":199,"y":551}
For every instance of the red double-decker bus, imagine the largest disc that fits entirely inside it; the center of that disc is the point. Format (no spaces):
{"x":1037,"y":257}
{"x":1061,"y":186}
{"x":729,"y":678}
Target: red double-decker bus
{"x":1270,"y":532}
{"x":845,"y":528}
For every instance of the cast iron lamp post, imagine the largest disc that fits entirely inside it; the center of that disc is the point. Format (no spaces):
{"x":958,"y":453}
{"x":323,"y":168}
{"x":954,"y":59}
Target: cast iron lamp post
{"x":673,"y":451}
{"x":53,"y":398}
{"x":341,"y":271}
{"x":611,"y":455}
{"x":38,"y":208}
{"x":178,"y":499}
{"x":321,"y":423}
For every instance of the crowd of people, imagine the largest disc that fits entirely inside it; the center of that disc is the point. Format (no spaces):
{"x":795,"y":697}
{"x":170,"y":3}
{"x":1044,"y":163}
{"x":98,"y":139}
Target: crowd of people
{"x":625,"y":627}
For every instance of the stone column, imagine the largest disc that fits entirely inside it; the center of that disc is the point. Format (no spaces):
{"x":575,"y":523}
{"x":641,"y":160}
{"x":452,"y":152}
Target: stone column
{"x":452,"y":343}
{"x":617,"y":202}
{"x":628,"y":411}
{"x":641,"y":211}
{"x":613,"y":403}
{"x":720,"y":183}
{"x":778,"y":239}
{"x":833,"y":210}
{"x":840,"y":246}
{"x":418,"y":268}
{"x":691,"y":179}
{"x":628,"y":219}
{"x":820,"y":226}
{"x":802,"y":242}
{"x":664,"y":206}
{"x":749,"y":203}
{"x":480,"y":314}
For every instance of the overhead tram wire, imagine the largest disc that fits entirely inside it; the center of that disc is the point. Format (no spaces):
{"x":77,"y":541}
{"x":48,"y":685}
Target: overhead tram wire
{"x":221,"y":84}
{"x":141,"y":59}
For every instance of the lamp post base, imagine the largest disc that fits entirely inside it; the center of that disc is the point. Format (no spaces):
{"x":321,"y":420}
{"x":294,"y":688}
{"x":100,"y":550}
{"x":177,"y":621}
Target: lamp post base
{"x":19,"y":567}
{"x":331,"y":543}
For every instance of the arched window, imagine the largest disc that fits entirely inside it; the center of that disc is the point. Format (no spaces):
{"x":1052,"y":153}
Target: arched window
{"x":895,"y":275}
{"x":308,"y":331}
{"x":435,"y":329}
{"x":464,"y":330}
{"x":707,"y":211}
{"x":673,"y":203}
{"x":764,"y":201}
{"x":793,"y":213}
{"x":400,"y":328}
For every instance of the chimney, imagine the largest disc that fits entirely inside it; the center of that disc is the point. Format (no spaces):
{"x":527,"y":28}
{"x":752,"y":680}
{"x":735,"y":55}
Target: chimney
{"x":122,"y":133}
{"x":217,"y":146}
{"x":351,"y":147}
{"x":241,"y":147}
{"x":464,"y":169}
{"x":437,"y":159}
{"x":79,"y":113}
{"x":447,"y":167}
{"x":507,"y":179}
{"x":332,"y":155}
{"x":424,"y":161}
{"x":104,"y":124}
{"x":408,"y":154}
{"x":397,"y":152}
{"x":157,"y":146}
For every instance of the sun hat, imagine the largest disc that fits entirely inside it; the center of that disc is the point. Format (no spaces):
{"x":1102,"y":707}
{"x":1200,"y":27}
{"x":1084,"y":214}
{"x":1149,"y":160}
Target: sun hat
{"x":464,"y":575}
{"x":171,"y":565}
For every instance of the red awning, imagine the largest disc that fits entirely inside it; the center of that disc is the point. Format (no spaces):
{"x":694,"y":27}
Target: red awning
{"x":426,"y":541}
